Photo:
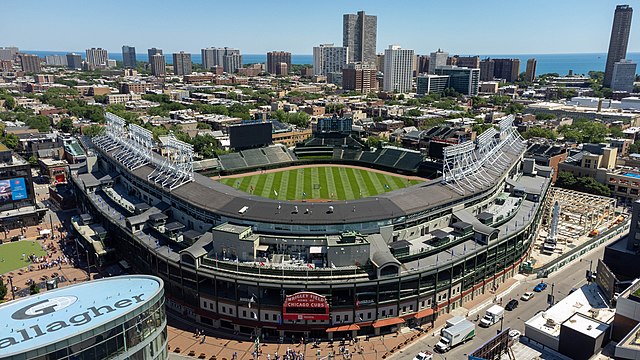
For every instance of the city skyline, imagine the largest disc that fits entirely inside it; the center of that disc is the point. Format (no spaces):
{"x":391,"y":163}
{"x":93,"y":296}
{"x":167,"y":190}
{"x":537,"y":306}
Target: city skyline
{"x":414,"y":31}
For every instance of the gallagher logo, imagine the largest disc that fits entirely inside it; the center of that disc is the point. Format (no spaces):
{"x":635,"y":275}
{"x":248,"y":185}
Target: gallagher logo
{"x":44,"y":307}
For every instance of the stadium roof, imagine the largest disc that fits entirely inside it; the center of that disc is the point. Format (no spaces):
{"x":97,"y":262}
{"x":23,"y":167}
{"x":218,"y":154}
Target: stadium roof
{"x":225,"y":200}
{"x":53,"y":316}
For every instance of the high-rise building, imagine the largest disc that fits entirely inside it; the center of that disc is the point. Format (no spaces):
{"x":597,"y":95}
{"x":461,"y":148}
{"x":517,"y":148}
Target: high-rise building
{"x":380,"y":61}
{"x":464,"y":80}
{"x":158,"y":65}
{"x":619,"y":40}
{"x":530,"y":73}
{"x":329,"y":59}
{"x":74,"y":61}
{"x":282,"y":68}
{"x":423,"y":64}
{"x":182,"y":63}
{"x":208,"y":58}
{"x":153,"y":51}
{"x":96,"y":57}
{"x":507,"y":69}
{"x":360,"y":77}
{"x":128,"y":56}
{"x":30,"y":63}
{"x":398,"y":69}
{"x":359,"y":32}
{"x":55,"y":60}
{"x":436,"y":59}
{"x":232,"y":61}
{"x":430,"y":83}
{"x":487,"y":68}
{"x":472,"y":62}
{"x":275,"y":58}
{"x":624,"y":74}
{"x":8,"y":53}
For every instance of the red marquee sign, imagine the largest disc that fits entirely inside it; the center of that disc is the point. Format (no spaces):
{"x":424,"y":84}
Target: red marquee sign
{"x":305,"y":306}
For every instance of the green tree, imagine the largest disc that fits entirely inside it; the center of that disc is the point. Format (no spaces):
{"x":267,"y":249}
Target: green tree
{"x":9,"y":102}
{"x":584,"y":184}
{"x":66,"y":125}
{"x":414,"y":112}
{"x":42,"y":123}
{"x":11,"y":140}
{"x":538,"y":132}
{"x":34,"y":289}
{"x":33,"y":161}
{"x":100,"y":99}
{"x":374,"y":141}
{"x":93,"y":130}
{"x":616,"y":132}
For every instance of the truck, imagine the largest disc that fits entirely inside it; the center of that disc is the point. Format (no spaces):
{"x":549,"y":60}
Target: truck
{"x":452,"y":322}
{"x":492,"y":316}
{"x":455,"y":335}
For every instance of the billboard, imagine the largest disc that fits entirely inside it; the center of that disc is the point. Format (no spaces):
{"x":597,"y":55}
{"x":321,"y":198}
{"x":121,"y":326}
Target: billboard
{"x":305,"y":306}
{"x":12,"y":190}
{"x":250,"y":135}
{"x":606,"y":280}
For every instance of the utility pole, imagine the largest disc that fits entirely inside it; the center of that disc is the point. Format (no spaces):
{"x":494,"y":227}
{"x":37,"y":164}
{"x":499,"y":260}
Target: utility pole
{"x":13,"y":293}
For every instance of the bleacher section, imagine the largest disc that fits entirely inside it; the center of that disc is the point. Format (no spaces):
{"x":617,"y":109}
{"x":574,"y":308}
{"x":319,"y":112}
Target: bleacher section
{"x":255,"y":158}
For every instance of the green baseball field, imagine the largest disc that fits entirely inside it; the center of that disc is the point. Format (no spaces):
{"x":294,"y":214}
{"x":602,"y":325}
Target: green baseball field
{"x":11,"y":254}
{"x":319,"y":183}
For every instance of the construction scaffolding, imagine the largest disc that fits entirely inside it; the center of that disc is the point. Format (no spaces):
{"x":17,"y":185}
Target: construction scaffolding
{"x":571,"y":217}
{"x":469,"y":166}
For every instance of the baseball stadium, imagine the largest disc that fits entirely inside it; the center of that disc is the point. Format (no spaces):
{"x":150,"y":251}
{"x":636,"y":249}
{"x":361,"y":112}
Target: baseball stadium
{"x":327,"y":239}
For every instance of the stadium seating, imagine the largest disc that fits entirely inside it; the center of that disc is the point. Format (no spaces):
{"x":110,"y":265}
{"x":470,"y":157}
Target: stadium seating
{"x":254,"y":158}
{"x":232,"y":161}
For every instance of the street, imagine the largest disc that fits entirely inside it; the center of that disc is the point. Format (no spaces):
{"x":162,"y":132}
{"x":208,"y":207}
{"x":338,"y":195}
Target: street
{"x":569,"y":277}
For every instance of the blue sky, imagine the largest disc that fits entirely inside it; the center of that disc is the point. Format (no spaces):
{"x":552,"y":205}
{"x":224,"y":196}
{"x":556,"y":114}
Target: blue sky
{"x":461,"y":26}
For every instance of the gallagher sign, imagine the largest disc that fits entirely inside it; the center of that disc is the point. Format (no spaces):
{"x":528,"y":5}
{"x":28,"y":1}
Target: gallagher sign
{"x":50,"y":317}
{"x":305,"y":306}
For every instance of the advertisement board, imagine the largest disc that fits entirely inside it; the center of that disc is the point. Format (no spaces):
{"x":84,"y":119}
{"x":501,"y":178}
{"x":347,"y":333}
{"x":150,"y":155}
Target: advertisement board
{"x":606,"y":280}
{"x":250,"y":135}
{"x":12,"y":190}
{"x":305,"y":306}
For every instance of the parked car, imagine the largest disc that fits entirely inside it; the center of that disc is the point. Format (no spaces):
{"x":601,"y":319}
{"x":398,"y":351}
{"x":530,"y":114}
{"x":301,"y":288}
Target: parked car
{"x":423,"y":356}
{"x":540,"y":287}
{"x":511,"y":305}
{"x":527,"y":296}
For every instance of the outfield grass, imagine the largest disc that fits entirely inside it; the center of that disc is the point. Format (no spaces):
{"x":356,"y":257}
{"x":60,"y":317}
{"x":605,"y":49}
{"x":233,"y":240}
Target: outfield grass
{"x":11,"y":254}
{"x":321,"y":182}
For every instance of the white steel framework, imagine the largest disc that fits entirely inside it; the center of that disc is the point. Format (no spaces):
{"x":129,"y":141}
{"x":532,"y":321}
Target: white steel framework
{"x":177,"y":167}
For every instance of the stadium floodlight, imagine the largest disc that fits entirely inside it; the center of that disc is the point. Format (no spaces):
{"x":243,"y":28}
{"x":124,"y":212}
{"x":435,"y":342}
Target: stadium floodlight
{"x":177,"y":167}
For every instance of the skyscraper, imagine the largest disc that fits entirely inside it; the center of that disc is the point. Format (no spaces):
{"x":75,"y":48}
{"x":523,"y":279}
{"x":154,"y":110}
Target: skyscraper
{"x":74,"y":61}
{"x":619,"y":40}
{"x":182,"y":63}
{"x":360,"y":77}
{"x":232,"y":61}
{"x":208,"y":58}
{"x":359,"y":32}
{"x":530,"y":73}
{"x":624,"y":74}
{"x":30,"y":63}
{"x":463,"y":80}
{"x":487,"y":68}
{"x":153,"y":51}
{"x":398,"y":69}
{"x":274,"y":58}
{"x":437,"y":59}
{"x":158,"y":65}
{"x":328,"y":58}
{"x":507,"y":69}
{"x":128,"y":56}
{"x":97,"y":57}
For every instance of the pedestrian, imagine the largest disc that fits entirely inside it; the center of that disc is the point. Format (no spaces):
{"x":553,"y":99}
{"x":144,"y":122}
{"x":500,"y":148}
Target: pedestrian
{"x":203,"y":339}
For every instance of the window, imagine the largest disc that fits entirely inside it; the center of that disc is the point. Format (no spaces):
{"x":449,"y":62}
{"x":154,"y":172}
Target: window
{"x":384,"y":313}
{"x":244,"y":313}
{"x":404,"y":309}
{"x":369,"y":315}
{"x":390,"y":312}
{"x":231,"y":311}
{"x":274,"y":317}
{"x":266,"y":316}
{"x":224,"y":309}
{"x":211,"y":306}
{"x":346,"y":318}
{"x":338,"y":318}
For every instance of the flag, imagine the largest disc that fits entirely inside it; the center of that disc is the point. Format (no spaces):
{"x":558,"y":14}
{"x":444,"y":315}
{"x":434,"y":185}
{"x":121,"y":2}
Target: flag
{"x":310,"y":266}
{"x":333,"y":266}
{"x":253,"y":315}
{"x":261,"y":263}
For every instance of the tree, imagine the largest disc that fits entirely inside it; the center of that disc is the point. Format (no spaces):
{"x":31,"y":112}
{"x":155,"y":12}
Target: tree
{"x":33,"y":161}
{"x":34,"y":289}
{"x":616,"y":132}
{"x":66,"y":125}
{"x":9,"y":102}
{"x":39,"y":122}
{"x":414,"y":112}
{"x":374,"y":141}
{"x":538,"y":132}
{"x":100,"y":99}
{"x":93,"y":130}
{"x":11,"y":140}
{"x":584,"y":184}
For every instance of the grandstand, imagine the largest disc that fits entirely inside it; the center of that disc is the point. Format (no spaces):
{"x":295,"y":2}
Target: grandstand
{"x":255,"y":158}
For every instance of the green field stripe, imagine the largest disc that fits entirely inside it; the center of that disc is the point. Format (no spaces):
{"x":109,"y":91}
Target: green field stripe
{"x":356,"y":188}
{"x":398,"y":181}
{"x":337,"y":180}
{"x":228,"y":181}
{"x":264,"y":186}
{"x":383,"y":180}
{"x":292,"y":180}
{"x":244,"y":183}
{"x":348,"y":190}
{"x":307,"y":185}
{"x":330,"y":183}
{"x":278,"y":183}
{"x":322,"y":180}
{"x":378,"y":185}
{"x":365,"y":183}
{"x":315,"y":180}
{"x":255,"y":179}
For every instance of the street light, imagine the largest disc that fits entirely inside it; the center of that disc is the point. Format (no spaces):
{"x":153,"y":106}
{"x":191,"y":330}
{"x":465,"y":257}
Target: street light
{"x":13,"y":293}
